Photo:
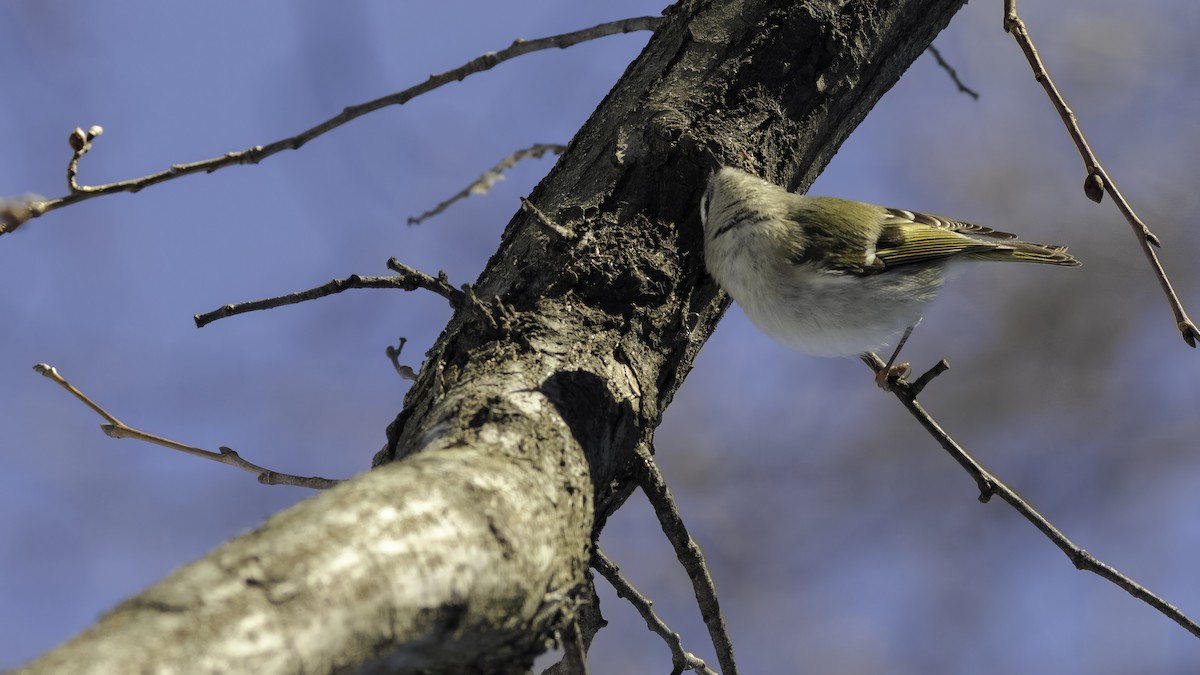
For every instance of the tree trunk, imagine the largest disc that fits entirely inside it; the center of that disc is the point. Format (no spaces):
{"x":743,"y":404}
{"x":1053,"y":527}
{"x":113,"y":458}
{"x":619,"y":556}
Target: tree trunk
{"x":465,"y":549}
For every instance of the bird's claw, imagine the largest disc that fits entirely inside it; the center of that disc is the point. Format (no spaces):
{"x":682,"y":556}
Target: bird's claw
{"x":887,"y":376}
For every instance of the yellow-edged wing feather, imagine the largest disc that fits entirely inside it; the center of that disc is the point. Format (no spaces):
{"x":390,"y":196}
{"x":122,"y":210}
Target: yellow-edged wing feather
{"x":909,"y":237}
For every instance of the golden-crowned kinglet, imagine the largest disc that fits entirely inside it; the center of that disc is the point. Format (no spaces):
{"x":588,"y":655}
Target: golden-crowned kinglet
{"x":834,"y":277}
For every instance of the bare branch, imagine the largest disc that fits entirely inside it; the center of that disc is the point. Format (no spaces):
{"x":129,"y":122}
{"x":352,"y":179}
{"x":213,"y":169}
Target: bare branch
{"x":1098,"y":181}
{"x":118,"y":429}
{"x":681,"y":659}
{"x":411,"y":279}
{"x":575,"y":652}
{"x":408,"y":279}
{"x":393,"y":354}
{"x":490,"y":177}
{"x":257,"y":153}
{"x":952,"y":73}
{"x":583,"y":627}
{"x":990,"y":486}
{"x":651,"y":481}
{"x":542,"y":218}
{"x":80,"y":142}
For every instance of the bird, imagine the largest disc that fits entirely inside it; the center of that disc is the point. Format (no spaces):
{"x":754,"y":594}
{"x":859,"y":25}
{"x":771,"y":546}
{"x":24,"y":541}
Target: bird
{"x":834,"y":277}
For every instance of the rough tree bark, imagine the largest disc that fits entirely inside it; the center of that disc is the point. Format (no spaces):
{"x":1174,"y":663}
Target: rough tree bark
{"x":465,"y":549}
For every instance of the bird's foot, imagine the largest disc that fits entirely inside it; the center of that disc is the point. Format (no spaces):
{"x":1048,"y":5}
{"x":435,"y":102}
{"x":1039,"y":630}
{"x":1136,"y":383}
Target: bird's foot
{"x":889,"y":375}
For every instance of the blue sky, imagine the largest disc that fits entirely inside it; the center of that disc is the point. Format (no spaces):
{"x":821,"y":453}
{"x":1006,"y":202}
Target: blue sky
{"x":841,"y":538}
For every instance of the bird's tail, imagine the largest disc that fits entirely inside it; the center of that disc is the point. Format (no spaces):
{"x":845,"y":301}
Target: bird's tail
{"x":1022,"y":251}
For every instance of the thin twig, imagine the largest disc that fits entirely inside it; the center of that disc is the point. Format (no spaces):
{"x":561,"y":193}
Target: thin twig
{"x":411,"y":279}
{"x":952,"y":73}
{"x":651,"y":481}
{"x":80,"y":142}
{"x":574,"y":651}
{"x":681,"y":659}
{"x":542,"y":218}
{"x":990,"y":486}
{"x":393,"y":354}
{"x":585,"y":622}
{"x":1098,"y":180}
{"x":919,"y":384}
{"x":256,"y":154}
{"x":408,"y":279}
{"x":500,"y":317}
{"x":489,"y":178}
{"x":118,"y":429}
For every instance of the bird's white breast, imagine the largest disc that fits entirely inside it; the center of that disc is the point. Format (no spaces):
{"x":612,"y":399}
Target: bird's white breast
{"x":817,"y":311}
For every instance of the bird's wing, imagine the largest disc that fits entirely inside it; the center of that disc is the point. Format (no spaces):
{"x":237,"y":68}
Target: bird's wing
{"x":909,"y":237}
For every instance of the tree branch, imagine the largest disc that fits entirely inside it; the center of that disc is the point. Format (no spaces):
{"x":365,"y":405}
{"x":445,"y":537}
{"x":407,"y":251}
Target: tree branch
{"x":1098,"y":180}
{"x":466,"y":549}
{"x":486,"y":180}
{"x":587,"y":623}
{"x":681,"y":659}
{"x":118,"y":429}
{"x":689,"y":555}
{"x":14,"y":213}
{"x":933,"y":51}
{"x":393,"y":354}
{"x":990,"y":486}
{"x":408,"y":279}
